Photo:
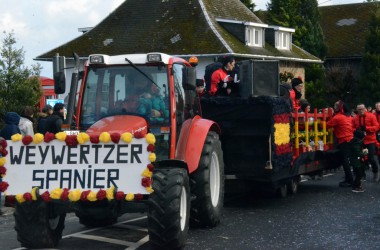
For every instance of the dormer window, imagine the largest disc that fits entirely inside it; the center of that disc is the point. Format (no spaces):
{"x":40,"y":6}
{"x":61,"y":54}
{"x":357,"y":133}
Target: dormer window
{"x":282,"y":40}
{"x":254,"y":36}
{"x":250,"y":33}
{"x":282,"y":37}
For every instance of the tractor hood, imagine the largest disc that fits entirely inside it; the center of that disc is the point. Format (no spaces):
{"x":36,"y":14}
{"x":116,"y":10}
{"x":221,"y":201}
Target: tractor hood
{"x":119,"y":124}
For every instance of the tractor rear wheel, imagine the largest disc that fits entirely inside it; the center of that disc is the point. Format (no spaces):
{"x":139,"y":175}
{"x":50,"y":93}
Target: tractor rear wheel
{"x":207,"y":184}
{"x":169,"y":208}
{"x":39,"y":224}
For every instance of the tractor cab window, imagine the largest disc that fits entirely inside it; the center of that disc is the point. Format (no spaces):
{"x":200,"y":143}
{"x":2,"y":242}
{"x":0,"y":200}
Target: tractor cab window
{"x":121,"y":90}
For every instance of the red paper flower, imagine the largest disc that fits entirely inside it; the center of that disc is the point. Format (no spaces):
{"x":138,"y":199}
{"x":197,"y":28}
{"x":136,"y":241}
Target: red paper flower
{"x":115,"y":137}
{"x":150,"y":148}
{"x":94,"y":139}
{"x":49,"y":137}
{"x":119,"y":195}
{"x":3,"y":152}
{"x":3,"y":186}
{"x":3,"y":143}
{"x":83,"y":196}
{"x":65,"y":194}
{"x":10,"y":199}
{"x":27,"y":140}
{"x":71,"y":140}
{"x":3,"y":170}
{"x":45,"y":196}
{"x":138,"y":197}
{"x":101,"y":195}
{"x":139,"y":134}
{"x":146,"y":182}
{"x":27,"y":196}
{"x":150,"y":167}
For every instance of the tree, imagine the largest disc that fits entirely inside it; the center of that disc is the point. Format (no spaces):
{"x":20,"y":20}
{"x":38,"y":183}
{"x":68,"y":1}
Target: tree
{"x":249,"y":4}
{"x":370,"y":67}
{"x":19,"y":85}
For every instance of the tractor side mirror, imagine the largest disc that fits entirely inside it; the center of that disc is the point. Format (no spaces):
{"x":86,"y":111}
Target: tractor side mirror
{"x":59,"y":65}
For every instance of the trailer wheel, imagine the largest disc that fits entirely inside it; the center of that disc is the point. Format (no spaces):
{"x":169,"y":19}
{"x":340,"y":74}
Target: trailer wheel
{"x":169,"y":208}
{"x":293,"y":185}
{"x":207,"y":185}
{"x":38,"y":224}
{"x":282,"y":191}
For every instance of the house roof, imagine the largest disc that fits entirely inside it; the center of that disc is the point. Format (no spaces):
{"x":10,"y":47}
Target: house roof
{"x":181,"y":27}
{"x":345,"y":28}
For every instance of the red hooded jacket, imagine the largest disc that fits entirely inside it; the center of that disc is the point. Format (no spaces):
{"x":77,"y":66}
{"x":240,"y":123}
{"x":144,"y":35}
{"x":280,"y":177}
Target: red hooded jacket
{"x":369,"y":122}
{"x":342,"y":126}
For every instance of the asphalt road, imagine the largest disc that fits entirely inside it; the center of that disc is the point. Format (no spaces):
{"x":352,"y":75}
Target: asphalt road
{"x":320,"y":216}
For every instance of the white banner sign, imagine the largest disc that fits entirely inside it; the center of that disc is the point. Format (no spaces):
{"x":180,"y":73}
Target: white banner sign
{"x":87,"y":167}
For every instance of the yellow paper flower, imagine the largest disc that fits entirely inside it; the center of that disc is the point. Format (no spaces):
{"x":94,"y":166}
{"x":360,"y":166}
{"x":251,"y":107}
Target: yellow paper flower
{"x":149,"y":189}
{"x":126,"y":137}
{"x":75,"y":195}
{"x":2,"y":176}
{"x":2,"y":161}
{"x":152,"y":157}
{"x":16,"y":137}
{"x":56,"y":193}
{"x":37,"y":138}
{"x":129,"y":197}
{"x":61,"y":136}
{"x":147,"y":173}
{"x":34,"y":193}
{"x":110,"y":193}
{"x":91,"y":196}
{"x":83,"y":138}
{"x":150,"y":138}
{"x":105,"y":137}
{"x":281,"y":133}
{"x":20,"y":198}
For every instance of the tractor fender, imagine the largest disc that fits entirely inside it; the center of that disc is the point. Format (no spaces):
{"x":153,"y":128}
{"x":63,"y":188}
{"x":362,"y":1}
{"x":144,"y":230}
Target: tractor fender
{"x":191,"y":140}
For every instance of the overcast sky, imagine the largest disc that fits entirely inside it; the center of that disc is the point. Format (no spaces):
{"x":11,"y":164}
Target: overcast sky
{"x":42,"y":25}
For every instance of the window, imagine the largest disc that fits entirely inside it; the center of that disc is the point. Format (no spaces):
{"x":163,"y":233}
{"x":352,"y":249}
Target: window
{"x":283,"y":40}
{"x":254,"y":36}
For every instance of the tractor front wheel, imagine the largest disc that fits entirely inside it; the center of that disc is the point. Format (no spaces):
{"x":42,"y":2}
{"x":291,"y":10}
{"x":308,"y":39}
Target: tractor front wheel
{"x":39,"y":224}
{"x":169,"y":208}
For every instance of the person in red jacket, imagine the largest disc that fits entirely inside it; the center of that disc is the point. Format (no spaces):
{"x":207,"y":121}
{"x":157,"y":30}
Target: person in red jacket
{"x":220,"y":78}
{"x":296,"y":93}
{"x":344,"y":132}
{"x":366,"y":121}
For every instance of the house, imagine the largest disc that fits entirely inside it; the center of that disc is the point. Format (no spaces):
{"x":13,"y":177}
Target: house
{"x":345,"y":28}
{"x":203,"y":28}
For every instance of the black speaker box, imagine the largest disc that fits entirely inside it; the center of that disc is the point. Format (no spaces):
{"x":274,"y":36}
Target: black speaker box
{"x":259,"y":78}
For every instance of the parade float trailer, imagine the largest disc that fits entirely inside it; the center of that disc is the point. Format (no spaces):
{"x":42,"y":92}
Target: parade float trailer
{"x":168,"y":157}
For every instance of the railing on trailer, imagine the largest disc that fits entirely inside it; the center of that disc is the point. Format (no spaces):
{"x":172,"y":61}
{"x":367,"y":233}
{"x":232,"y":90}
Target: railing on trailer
{"x":318,"y":133}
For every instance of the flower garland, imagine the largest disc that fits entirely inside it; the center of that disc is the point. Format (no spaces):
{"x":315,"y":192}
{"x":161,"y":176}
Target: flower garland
{"x":77,"y":194}
{"x":282,"y":134}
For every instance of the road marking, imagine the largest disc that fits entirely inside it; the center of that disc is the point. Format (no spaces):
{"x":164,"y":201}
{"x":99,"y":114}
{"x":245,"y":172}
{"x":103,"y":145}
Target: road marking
{"x":97,"y":228}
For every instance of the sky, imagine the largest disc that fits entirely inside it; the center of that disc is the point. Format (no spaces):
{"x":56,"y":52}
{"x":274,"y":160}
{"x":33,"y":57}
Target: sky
{"x":42,"y":25}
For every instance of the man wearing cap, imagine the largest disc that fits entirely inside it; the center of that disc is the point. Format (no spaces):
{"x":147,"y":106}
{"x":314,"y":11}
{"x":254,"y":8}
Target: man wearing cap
{"x":55,"y":121}
{"x":296,"y":92}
